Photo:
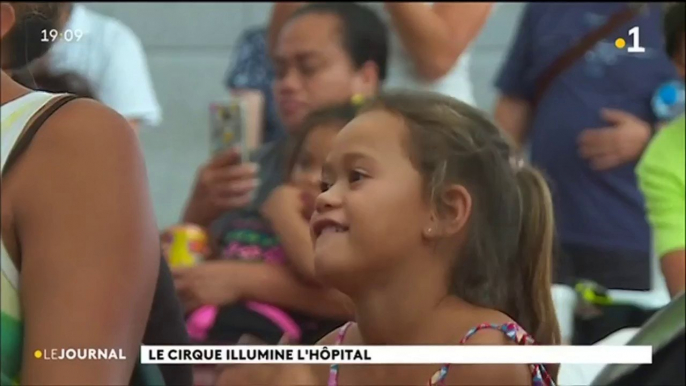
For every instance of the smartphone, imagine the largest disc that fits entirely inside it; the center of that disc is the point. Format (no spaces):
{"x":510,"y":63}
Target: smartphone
{"x":228,"y":127}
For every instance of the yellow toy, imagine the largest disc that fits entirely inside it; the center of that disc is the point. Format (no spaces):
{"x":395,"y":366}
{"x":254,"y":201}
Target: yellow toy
{"x":185,"y":245}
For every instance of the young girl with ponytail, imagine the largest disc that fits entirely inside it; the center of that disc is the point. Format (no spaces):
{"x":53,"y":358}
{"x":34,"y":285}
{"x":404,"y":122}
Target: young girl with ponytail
{"x":439,"y":235}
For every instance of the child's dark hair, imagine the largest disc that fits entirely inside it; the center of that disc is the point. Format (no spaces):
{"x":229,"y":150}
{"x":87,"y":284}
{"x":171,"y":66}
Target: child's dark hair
{"x":337,"y":114}
{"x":674,"y":27}
{"x":506,"y":262}
{"x":365,"y":35}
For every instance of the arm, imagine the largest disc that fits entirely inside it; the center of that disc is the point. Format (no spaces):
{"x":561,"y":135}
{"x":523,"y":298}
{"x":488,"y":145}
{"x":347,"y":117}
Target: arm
{"x":277,"y":285}
{"x":623,"y":141}
{"x":281,"y":12}
{"x":514,"y":117}
{"x":513,"y":111}
{"x":673,"y":266}
{"x":435,"y":37}
{"x":89,"y":245}
{"x":222,"y":185}
{"x":225,"y":282}
{"x":284,"y":210}
{"x":294,"y":234}
{"x":126,"y":85}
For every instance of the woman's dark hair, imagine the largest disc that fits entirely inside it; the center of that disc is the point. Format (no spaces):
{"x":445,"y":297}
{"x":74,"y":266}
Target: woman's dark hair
{"x":365,"y":36}
{"x":43,"y":80}
{"x":506,"y":262}
{"x":333,"y":115}
{"x":25,"y":39}
{"x":674,"y":27}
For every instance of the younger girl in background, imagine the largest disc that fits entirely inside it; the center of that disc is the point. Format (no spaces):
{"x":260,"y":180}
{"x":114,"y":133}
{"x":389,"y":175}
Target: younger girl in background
{"x":270,"y":238}
{"x":439,"y":236}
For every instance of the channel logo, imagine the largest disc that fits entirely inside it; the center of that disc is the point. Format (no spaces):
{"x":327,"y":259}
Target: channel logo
{"x":81,"y":354}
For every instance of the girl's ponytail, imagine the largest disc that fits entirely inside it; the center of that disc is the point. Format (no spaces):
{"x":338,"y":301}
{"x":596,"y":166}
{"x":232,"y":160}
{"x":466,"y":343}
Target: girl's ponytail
{"x":535,"y":251}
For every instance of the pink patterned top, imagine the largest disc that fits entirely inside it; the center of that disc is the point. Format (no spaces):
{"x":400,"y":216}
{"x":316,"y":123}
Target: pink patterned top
{"x":539,"y":375}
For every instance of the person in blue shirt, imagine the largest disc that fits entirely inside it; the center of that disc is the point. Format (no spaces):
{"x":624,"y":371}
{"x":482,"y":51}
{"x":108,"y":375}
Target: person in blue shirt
{"x":587,"y":133}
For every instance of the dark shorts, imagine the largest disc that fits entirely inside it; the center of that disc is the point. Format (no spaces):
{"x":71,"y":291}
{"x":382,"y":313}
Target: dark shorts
{"x":236,"y":320}
{"x":623,"y":270}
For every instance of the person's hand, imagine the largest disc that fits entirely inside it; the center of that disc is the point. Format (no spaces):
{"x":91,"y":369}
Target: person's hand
{"x":209,"y":283}
{"x":285,"y":198}
{"x":609,"y":147}
{"x":222,"y":185}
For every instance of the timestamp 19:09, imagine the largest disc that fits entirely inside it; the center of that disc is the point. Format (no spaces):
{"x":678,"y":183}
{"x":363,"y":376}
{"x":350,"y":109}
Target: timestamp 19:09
{"x":68,"y":35}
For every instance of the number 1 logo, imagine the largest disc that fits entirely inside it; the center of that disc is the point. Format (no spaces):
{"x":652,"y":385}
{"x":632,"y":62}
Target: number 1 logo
{"x":636,"y":45}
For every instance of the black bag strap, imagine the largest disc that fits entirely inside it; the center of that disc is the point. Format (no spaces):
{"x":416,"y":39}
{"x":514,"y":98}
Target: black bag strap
{"x":30,"y":132}
{"x":578,"y":50}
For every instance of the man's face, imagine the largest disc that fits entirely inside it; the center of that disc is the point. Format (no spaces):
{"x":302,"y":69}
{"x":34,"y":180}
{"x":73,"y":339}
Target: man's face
{"x":313,"y":70}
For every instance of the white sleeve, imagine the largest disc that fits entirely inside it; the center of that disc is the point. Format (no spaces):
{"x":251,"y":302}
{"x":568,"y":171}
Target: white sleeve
{"x":126,"y":85}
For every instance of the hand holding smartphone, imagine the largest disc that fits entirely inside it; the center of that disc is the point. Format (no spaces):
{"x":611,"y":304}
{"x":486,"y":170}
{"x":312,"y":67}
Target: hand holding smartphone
{"x":228,"y":181}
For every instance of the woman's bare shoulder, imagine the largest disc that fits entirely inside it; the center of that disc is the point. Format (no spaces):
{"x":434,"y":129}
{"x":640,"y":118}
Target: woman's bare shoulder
{"x":88,"y":123}
{"x":80,"y":140}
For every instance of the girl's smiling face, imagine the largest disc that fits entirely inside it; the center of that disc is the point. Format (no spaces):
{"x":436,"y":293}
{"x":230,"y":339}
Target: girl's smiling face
{"x":372,"y":210}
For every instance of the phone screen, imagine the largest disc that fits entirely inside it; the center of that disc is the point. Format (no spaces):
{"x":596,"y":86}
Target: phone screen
{"x":227,"y":127}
